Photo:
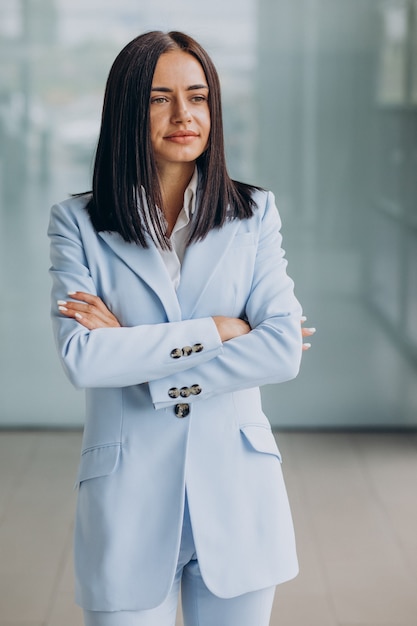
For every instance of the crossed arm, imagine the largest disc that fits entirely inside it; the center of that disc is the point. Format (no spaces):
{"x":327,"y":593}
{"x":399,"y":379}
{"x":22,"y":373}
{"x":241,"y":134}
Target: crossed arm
{"x":91,"y":312}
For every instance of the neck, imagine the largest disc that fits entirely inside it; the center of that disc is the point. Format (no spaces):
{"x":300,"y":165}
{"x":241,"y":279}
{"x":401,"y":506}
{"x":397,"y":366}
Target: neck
{"x":174,"y":181}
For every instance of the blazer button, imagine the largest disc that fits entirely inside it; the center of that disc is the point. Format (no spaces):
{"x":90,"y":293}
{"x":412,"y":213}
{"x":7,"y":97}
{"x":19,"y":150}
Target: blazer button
{"x":187,"y":350}
{"x":174,"y":392}
{"x":176,"y":353}
{"x":182,"y":410}
{"x":195,"y":389}
{"x":198,"y":347}
{"x":185,"y":392}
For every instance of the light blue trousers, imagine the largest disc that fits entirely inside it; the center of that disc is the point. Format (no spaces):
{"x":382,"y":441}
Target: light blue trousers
{"x":199,"y":606}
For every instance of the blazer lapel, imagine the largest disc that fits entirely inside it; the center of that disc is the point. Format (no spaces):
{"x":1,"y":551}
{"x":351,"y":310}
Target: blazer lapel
{"x":200,"y":262}
{"x":147,"y":263}
{"x":201,"y":259}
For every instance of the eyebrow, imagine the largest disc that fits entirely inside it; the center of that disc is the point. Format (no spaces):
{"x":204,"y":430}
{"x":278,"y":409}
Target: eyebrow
{"x":168,"y":90}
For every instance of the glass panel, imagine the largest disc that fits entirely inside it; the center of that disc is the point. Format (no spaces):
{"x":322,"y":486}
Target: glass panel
{"x":392,"y":77}
{"x":413,"y":53}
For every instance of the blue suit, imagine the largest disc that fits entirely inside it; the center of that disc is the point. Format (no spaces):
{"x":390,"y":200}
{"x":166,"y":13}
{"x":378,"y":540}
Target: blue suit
{"x":170,"y":408}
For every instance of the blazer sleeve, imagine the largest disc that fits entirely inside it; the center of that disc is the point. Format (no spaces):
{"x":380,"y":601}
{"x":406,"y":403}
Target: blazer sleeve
{"x":271,"y":352}
{"x":116,"y":357}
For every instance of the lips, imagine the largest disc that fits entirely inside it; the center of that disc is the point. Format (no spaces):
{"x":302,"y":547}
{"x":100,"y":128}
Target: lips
{"x":181,"y":133}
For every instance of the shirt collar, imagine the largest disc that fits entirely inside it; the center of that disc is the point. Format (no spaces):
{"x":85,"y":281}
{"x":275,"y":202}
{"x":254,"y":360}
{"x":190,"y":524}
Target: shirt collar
{"x":190,"y":194}
{"x":189,"y":203}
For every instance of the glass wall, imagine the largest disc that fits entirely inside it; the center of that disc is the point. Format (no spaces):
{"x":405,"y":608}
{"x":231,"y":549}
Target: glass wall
{"x":310,"y":112}
{"x":339,"y":146}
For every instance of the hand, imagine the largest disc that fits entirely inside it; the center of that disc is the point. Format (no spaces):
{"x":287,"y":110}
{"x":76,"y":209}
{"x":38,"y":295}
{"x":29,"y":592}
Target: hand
{"x":230,"y":327}
{"x":90,"y":311}
{"x":306,"y":332}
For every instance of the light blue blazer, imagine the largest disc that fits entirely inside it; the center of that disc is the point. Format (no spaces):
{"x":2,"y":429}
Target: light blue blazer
{"x":170,"y":408}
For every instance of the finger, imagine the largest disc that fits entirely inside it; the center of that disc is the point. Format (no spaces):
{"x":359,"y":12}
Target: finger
{"x":92,"y":322}
{"x":95,"y":304}
{"x":306,"y":346}
{"x":86,"y":321}
{"x":89,"y":298}
{"x":98,"y":309}
{"x":84,"y":308}
{"x":307,"y":332}
{"x":89,"y":320}
{"x":90,"y":316}
{"x":82,"y":295}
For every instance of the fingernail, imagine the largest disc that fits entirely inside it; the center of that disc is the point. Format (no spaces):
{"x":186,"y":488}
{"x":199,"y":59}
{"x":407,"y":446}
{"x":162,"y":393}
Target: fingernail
{"x":304,"y":319}
{"x":78,"y":316}
{"x":72,"y":293}
{"x":311,"y":330}
{"x":62,"y":308}
{"x":307,"y":345}
{"x":61,"y":302}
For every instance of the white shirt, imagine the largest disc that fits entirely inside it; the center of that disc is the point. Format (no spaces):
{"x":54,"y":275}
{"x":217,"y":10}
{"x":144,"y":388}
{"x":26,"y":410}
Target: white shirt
{"x":179,"y":235}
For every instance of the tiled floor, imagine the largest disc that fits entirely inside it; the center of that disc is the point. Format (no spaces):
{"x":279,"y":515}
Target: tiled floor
{"x":354,"y":501}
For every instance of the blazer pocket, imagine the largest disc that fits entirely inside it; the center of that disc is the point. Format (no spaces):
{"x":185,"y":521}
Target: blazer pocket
{"x":261,"y":439}
{"x":98,"y":461}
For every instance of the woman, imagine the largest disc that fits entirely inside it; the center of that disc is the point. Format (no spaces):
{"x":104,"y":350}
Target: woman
{"x":179,"y":307}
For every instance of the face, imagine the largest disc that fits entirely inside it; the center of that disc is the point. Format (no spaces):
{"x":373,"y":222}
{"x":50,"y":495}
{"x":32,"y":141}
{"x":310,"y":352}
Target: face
{"x":179,"y":111}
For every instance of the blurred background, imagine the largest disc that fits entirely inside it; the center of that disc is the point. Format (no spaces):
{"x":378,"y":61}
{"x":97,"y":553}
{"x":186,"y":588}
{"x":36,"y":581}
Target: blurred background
{"x":320,"y":105}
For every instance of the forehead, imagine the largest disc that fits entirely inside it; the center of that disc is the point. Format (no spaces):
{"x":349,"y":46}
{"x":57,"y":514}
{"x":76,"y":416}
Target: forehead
{"x":178,"y":68}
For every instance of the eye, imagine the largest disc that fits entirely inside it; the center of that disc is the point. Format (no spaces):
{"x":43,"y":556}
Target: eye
{"x":159,"y":100}
{"x":198,"y":99}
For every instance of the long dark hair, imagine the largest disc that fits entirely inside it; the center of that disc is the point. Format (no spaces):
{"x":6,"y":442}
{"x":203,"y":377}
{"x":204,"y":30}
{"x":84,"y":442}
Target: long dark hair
{"x":125,"y":176}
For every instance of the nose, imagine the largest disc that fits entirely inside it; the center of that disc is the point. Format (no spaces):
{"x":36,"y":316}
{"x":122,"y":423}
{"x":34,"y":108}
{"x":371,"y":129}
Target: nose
{"x":181,"y":113}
